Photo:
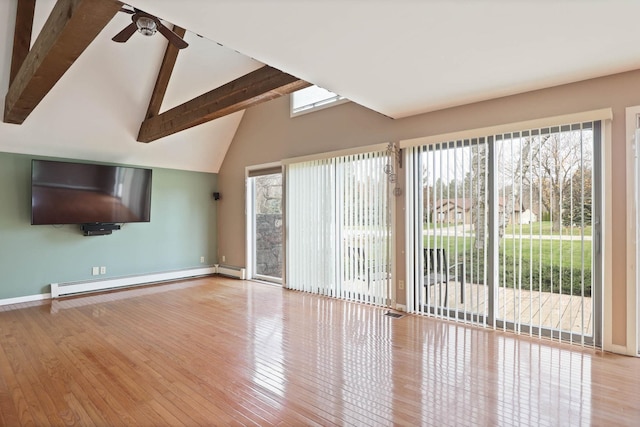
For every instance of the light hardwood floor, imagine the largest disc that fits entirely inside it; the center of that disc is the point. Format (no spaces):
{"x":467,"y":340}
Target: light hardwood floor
{"x":216,"y":351}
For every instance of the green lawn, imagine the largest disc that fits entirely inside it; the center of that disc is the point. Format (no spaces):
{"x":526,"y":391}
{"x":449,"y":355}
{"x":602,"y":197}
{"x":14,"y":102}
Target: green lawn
{"x":540,"y":252}
{"x":545,"y":228}
{"x":543,"y":263}
{"x":534,"y":229}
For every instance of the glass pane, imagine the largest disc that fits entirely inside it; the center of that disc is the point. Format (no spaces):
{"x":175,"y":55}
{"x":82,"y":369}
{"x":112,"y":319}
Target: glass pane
{"x":454,"y":185}
{"x":268,"y":225}
{"x":544,"y":217}
{"x":312,"y":97}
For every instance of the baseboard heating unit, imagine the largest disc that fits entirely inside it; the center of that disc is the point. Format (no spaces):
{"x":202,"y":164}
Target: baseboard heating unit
{"x":229,"y":271}
{"x":62,"y":289}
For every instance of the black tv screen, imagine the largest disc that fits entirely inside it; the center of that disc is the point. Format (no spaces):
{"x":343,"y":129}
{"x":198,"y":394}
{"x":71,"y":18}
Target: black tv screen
{"x":81,"y":193}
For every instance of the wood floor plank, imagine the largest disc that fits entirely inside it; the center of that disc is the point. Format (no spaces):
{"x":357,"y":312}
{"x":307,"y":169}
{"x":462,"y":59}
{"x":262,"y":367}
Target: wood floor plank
{"x":217,"y":351}
{"x":168,"y":351}
{"x":45,"y":363}
{"x":28,"y":394}
{"x":13,"y":409}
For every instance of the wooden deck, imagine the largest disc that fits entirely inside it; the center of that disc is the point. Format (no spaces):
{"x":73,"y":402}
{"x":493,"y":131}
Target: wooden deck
{"x":546,"y":310}
{"x":539,"y":309}
{"x":216,"y":351}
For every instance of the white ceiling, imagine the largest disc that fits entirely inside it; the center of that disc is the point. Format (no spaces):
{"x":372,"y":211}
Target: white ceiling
{"x":397,"y":57}
{"x":404,"y":57}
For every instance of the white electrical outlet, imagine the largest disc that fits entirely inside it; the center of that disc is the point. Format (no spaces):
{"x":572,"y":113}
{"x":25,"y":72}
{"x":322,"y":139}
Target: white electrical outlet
{"x":201,"y":259}
{"x":95,"y":271}
{"x":224,"y":258}
{"x":103,"y":270}
{"x":401,"y":284}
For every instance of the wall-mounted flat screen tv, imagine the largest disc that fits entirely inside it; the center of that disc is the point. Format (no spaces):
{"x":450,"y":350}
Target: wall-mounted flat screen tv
{"x":82,"y":193}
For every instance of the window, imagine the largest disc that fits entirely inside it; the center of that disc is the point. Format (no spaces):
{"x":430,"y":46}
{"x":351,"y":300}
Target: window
{"x":313,"y":98}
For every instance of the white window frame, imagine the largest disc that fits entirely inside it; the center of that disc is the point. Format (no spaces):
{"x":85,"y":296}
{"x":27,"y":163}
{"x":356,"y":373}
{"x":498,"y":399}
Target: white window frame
{"x":632,"y":125}
{"x":249,"y":227}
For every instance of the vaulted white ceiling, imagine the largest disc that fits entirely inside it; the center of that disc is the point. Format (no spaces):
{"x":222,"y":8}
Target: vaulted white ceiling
{"x":94,"y":112}
{"x":397,"y":57}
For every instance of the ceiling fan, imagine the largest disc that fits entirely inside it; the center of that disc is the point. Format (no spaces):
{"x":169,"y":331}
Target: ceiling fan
{"x":147,"y":24}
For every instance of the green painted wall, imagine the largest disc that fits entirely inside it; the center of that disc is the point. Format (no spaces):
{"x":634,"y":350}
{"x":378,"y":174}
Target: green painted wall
{"x":182,"y":229}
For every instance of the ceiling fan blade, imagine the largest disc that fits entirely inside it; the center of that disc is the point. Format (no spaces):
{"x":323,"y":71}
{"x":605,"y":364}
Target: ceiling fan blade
{"x":173,"y":38}
{"x":125,"y":34}
{"x":129,"y":11}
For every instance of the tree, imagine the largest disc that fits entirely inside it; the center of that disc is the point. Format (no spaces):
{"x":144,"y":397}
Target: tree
{"x":550,"y":169}
{"x":454,"y":189}
{"x":578,"y":202}
{"x":477,"y":182}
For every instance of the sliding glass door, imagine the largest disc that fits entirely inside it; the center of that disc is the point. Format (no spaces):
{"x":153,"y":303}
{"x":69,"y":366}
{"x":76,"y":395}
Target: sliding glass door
{"x":506,"y":231}
{"x":548,"y":204}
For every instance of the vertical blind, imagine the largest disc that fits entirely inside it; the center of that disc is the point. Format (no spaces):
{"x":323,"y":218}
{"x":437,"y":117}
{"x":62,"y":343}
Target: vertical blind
{"x":515,"y":217}
{"x":548,"y":221}
{"x":338,"y":226}
{"x":447,"y":244}
{"x":312,"y":229}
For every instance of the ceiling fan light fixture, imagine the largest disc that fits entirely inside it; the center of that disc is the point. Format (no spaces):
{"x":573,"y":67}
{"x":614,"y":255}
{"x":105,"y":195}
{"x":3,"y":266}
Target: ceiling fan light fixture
{"x":146,"y":26}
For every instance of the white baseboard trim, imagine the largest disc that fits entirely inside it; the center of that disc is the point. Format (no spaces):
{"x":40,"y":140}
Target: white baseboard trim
{"x":60,"y":289}
{"x":620,"y":349}
{"x":27,"y":298}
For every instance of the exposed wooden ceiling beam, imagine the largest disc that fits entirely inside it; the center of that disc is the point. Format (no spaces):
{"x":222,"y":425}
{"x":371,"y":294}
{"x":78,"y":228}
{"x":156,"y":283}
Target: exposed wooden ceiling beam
{"x":261,"y":85}
{"x":22,"y":35}
{"x":70,"y":28}
{"x":168,"y":62}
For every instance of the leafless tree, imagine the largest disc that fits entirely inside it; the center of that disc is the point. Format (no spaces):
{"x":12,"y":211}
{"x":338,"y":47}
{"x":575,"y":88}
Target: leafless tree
{"x":555,"y":162}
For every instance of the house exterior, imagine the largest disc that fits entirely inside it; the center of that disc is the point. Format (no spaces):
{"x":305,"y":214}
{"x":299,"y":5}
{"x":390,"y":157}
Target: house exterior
{"x":453,"y":211}
{"x":527,"y":217}
{"x":461,"y":211}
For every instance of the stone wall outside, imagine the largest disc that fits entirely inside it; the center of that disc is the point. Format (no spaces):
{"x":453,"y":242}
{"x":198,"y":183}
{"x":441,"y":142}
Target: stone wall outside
{"x":269,"y":245}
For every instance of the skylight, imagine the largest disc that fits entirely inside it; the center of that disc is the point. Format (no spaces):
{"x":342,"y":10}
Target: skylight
{"x":313,"y":98}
